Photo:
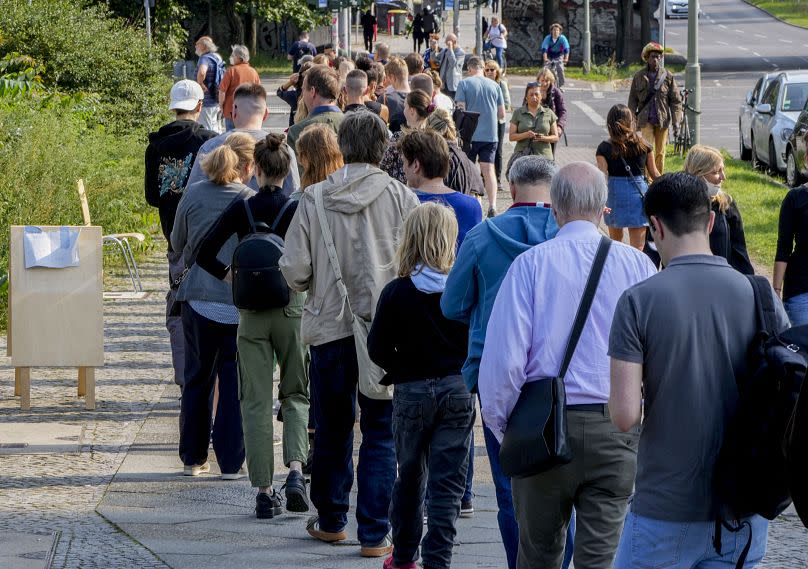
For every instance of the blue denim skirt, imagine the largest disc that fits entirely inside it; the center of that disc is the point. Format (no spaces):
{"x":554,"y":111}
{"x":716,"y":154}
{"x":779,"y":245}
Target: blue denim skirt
{"x":625,"y":202}
{"x":797,"y":309}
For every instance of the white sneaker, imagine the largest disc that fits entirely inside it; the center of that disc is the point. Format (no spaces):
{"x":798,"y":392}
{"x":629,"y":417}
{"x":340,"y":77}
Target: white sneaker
{"x":196,"y":469}
{"x":235,"y":475}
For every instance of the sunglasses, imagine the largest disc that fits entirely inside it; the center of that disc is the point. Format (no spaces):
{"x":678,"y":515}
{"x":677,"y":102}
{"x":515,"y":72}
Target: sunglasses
{"x":491,"y":70}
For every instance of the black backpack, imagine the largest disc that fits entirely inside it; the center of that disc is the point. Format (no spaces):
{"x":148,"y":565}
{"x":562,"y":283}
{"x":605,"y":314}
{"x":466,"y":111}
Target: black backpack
{"x":257,"y":280}
{"x":751,"y":474}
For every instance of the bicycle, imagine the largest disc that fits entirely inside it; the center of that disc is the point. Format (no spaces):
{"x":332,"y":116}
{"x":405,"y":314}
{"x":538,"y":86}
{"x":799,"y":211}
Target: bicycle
{"x":683,"y":141}
{"x":490,"y":54}
{"x":557,"y":67}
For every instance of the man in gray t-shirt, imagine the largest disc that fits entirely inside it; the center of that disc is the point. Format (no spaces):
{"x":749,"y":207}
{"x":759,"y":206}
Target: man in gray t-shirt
{"x":679,"y":340}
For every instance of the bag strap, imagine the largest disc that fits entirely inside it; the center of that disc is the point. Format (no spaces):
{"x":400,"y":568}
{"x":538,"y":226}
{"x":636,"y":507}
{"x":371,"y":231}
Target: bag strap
{"x":632,"y":177}
{"x":586,"y":302}
{"x":328,"y":238}
{"x":764,"y":303}
{"x":248,"y":209}
{"x":279,"y":216}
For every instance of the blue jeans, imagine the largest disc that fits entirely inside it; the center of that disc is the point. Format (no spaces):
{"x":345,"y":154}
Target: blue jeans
{"x":333,"y":378}
{"x":210,"y":351}
{"x":686,"y":545}
{"x":498,"y":53}
{"x":508,"y":527}
{"x":797,"y":309}
{"x":432,"y":422}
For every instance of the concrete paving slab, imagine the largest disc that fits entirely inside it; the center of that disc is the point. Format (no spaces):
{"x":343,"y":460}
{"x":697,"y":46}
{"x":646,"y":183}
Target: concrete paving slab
{"x":20,"y":550}
{"x":40,"y":438}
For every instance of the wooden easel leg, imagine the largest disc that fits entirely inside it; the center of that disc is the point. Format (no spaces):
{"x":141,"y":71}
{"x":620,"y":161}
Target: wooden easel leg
{"x":89,"y":387}
{"x":24,"y":375}
{"x":82,"y":381}
{"x":16,"y":382}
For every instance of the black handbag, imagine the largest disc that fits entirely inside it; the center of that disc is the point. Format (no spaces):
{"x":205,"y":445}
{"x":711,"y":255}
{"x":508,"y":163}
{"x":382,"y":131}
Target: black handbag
{"x":536,"y":438}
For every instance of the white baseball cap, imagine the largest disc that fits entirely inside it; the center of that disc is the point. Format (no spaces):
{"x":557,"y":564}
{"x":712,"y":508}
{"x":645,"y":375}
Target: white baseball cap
{"x":185,"y":95}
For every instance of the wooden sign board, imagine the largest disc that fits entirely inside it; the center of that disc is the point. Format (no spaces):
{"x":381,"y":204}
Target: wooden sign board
{"x":56,"y":316}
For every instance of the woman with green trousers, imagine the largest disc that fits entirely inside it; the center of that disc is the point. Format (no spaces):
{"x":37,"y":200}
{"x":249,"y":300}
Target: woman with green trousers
{"x":265,"y":335}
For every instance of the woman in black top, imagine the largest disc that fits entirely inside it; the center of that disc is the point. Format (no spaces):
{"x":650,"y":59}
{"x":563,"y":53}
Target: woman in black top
{"x":791,"y":261}
{"x":625,"y":159}
{"x":727,"y":237}
{"x":264,"y":336}
{"x":423,"y":353}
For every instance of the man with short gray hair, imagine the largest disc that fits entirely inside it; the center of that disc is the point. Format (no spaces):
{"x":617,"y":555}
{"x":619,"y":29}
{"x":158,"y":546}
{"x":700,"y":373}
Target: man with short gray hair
{"x":239,"y":73}
{"x":527,"y":336}
{"x":364,"y":209}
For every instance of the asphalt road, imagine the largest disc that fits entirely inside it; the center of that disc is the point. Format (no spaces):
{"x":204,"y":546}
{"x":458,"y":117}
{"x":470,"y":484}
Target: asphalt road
{"x":735,"y":36}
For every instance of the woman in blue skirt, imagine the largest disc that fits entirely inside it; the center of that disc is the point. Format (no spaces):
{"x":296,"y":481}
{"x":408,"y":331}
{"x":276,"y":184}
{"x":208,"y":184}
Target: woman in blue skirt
{"x":627,"y":160}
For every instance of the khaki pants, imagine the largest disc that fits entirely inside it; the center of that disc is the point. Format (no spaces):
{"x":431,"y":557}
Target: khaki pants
{"x":598,"y":483}
{"x":658,"y":137}
{"x":262,"y":336}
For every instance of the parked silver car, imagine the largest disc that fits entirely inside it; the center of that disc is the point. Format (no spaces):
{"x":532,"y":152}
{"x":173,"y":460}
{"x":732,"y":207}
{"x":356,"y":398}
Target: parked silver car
{"x":746,"y":111}
{"x":676,"y":8}
{"x":774,"y":118}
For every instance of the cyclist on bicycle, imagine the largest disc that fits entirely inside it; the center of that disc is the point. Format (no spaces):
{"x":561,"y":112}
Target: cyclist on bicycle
{"x":555,"y":51}
{"x":496,"y":36}
{"x":655,"y":100}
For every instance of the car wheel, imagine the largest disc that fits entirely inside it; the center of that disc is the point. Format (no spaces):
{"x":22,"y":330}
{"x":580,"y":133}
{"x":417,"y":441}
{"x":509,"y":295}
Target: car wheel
{"x":744,"y":152}
{"x":774,"y":169}
{"x":753,"y":156}
{"x":793,"y":177}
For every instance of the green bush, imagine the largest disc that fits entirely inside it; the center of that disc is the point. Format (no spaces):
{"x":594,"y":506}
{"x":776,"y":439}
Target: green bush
{"x":85,"y":49}
{"x":42,"y":154}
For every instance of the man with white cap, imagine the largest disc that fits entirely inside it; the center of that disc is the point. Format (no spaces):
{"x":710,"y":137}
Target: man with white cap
{"x":170,"y":155}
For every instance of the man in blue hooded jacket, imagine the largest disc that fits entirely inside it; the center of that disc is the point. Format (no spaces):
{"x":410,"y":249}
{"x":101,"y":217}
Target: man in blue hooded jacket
{"x":482,"y":262}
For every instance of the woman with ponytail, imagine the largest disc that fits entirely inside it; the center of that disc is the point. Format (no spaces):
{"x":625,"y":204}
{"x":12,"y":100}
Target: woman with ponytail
{"x":417,"y":108}
{"x":266,"y":335}
{"x":209,"y":318}
{"x":626,"y":159}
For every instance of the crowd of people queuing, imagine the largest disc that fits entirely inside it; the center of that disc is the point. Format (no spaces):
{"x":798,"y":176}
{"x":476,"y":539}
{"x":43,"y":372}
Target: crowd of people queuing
{"x":389,"y":262}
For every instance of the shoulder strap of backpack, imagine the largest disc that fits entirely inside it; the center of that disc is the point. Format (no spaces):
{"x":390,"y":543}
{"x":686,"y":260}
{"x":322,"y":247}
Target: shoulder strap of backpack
{"x":764,"y":303}
{"x":280,"y":216}
{"x":250,"y":219}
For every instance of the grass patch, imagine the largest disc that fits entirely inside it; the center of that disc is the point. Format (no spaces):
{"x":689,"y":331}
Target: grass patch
{"x":792,"y":11}
{"x":271,"y":65}
{"x":597,"y":74}
{"x":758,"y":198}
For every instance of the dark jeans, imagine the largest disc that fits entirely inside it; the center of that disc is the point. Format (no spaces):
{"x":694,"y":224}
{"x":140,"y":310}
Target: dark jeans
{"x":333,"y":378}
{"x":498,"y":157}
{"x":210,"y":351}
{"x":506,"y":518}
{"x":368,"y":37}
{"x":432,"y":421}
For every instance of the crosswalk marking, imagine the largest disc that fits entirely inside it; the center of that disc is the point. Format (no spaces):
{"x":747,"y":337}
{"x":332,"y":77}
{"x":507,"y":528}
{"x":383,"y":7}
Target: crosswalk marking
{"x":591,"y":113}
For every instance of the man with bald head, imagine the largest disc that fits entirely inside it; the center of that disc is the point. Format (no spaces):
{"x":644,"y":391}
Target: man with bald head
{"x":450,"y":65}
{"x":526,"y":340}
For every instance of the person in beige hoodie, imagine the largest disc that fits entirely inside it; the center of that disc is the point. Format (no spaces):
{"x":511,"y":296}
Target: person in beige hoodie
{"x":364,"y":208}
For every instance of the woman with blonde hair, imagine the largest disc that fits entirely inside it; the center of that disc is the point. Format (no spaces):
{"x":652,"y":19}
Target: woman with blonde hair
{"x":727,"y":237}
{"x":494,"y":72}
{"x":553,"y":99}
{"x":464,"y":176}
{"x":318,"y":154}
{"x":423,"y":353}
{"x":417,"y":108}
{"x":209,"y":318}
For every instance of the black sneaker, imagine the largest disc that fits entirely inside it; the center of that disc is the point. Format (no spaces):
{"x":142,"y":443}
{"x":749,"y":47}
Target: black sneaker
{"x":267,"y":506}
{"x":295,"y":490}
{"x":491,"y":212}
{"x":466,"y":509}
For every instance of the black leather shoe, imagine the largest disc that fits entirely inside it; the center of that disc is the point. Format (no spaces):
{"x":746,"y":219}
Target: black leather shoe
{"x":295,"y":489}
{"x":267,"y":506}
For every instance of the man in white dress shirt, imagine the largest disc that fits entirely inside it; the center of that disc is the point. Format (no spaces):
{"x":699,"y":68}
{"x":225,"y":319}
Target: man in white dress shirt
{"x":526,"y":338}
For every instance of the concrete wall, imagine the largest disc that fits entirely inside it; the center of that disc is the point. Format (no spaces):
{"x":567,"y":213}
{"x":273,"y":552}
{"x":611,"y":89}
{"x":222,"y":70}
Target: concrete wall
{"x":525,"y":22}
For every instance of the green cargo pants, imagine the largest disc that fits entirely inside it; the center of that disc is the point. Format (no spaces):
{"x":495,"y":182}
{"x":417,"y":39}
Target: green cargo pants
{"x":263,"y":336}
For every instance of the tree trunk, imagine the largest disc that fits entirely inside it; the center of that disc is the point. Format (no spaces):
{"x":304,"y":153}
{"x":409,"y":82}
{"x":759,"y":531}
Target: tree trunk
{"x":623,"y":30}
{"x":645,"y":19}
{"x":251,"y":33}
{"x":233,"y":21}
{"x":548,"y":11}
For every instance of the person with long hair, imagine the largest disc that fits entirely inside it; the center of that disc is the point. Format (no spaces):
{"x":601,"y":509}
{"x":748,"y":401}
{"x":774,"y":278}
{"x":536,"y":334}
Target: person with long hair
{"x":625,"y":159}
{"x":265,"y":335}
{"x":463,"y":176}
{"x":533,"y":127}
{"x":417,"y":107}
{"x":318,"y":154}
{"x":494,"y":72}
{"x":553,"y":99}
{"x":209,"y":318}
{"x":727,"y":238}
{"x":423,"y":352}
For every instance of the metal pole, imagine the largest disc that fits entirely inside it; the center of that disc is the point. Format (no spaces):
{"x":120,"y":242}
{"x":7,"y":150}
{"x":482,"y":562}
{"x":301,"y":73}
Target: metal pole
{"x":148,"y":20}
{"x":335,"y":30}
{"x":587,"y":62}
{"x":663,"y":8}
{"x":693,"y":71}
{"x":346,"y":30}
{"x":478,"y":29}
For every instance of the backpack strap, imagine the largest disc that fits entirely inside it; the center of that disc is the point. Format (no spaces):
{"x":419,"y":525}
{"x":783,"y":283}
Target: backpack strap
{"x":250,"y":218}
{"x":764,"y":303}
{"x":586,"y":302}
{"x":279,"y":216}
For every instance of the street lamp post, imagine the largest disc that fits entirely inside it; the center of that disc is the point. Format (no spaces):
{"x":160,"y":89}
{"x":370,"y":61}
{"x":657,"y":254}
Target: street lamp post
{"x":587,"y":62}
{"x":147,"y":7}
{"x":693,"y":71}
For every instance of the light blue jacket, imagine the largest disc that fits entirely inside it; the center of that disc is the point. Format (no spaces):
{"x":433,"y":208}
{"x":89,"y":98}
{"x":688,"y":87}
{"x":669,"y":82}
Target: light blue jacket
{"x":482,"y":262}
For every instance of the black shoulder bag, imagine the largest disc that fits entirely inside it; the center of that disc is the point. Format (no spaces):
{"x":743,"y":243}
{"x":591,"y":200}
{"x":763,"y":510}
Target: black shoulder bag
{"x":536,"y":437}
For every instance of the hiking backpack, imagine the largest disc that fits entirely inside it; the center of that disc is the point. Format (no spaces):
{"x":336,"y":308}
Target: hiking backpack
{"x":751,"y":473}
{"x":257,"y":280}
{"x":213,"y":86}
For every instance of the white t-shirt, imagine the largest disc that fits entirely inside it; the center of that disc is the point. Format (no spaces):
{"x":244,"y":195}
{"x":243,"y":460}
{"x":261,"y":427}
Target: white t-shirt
{"x":444,"y":102}
{"x":497,"y":36}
